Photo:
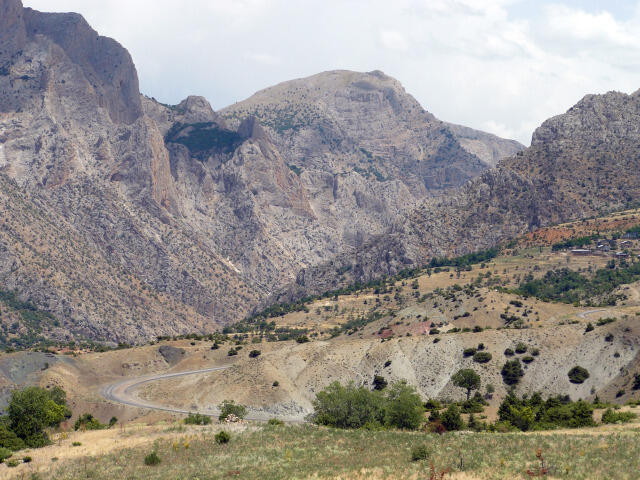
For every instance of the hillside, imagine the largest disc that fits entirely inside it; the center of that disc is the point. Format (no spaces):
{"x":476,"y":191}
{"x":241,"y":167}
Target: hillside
{"x":580,"y":164}
{"x":124,"y":218}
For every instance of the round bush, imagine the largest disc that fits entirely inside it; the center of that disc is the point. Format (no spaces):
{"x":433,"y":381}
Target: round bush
{"x":521,"y":348}
{"x":578,"y":374}
{"x":527,"y":359}
{"x":419,"y":452}
{"x":222,"y":437}
{"x":482,"y":357}
{"x":508,"y":352}
{"x":469,"y":352}
{"x":511,"y":372}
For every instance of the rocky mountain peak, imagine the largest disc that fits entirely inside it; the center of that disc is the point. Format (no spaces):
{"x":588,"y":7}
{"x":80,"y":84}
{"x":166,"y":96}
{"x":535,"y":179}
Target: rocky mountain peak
{"x":195,"y":109}
{"x":12,"y":28}
{"x":107,"y":66}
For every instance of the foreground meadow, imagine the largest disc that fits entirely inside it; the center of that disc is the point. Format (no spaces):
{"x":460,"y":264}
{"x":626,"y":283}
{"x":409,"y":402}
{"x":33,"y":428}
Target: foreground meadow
{"x":279,"y":452}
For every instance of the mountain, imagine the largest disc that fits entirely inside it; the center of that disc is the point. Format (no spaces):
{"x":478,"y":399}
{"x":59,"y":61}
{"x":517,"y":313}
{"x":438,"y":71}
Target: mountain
{"x":124,"y":218}
{"x":581,"y":163}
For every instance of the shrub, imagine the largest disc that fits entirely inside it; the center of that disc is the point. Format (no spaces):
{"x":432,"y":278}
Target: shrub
{"x":512,"y":372}
{"x":197,"y":419}
{"x":434,"y":331}
{"x":254,"y":353}
{"x":379,"y":382}
{"x":302,"y":339}
{"x":508,"y":353}
{"x":4,"y":454}
{"x":608,"y":337}
{"x":8,"y":439}
{"x":419,"y":452}
{"x":275,"y":383}
{"x":521,"y":348}
{"x":13,"y":463}
{"x":482,"y":357}
{"x":152,"y":459}
{"x":76,"y":444}
{"x":222,"y":437}
{"x":87,"y":421}
{"x":535,"y":352}
{"x":589,"y":327}
{"x":432,"y":404}
{"x":229,"y":407}
{"x":27,"y":459}
{"x":387,"y":363}
{"x":636,"y":381}
{"x":469,"y":352}
{"x":232,"y":352}
{"x":578,"y":374}
{"x":609,"y":416}
{"x":357,"y":407}
{"x":451,"y":418}
{"x":113,"y":421}
{"x":527,"y":359}
{"x":275,"y":422}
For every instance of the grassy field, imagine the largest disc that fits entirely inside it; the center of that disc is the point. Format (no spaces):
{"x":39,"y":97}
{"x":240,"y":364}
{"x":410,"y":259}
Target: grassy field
{"x":268,"y":452}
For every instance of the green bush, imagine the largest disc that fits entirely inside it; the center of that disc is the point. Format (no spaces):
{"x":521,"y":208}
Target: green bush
{"x":228,"y":407}
{"x":302,"y":339}
{"x":87,"y":421}
{"x":578,"y":374}
{"x":222,"y":437}
{"x":469,"y":352}
{"x":482,"y":357}
{"x":379,"y":382}
{"x":521,"y":348}
{"x":254,"y":353}
{"x":356,"y":407}
{"x":4,"y":454}
{"x":535,"y":413}
{"x":512,"y":372}
{"x":13,"y":463}
{"x":113,"y":421}
{"x":27,"y":459}
{"x":609,"y":416}
{"x":76,"y":444}
{"x":419,"y":452}
{"x":275,"y":422}
{"x":152,"y":459}
{"x":527,"y":359}
{"x":197,"y":419}
{"x":508,"y":352}
{"x":451,"y":418}
{"x":8,"y":439}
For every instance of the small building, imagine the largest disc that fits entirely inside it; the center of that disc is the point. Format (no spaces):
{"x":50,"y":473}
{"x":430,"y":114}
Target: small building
{"x":622,"y":254}
{"x":626,"y":243}
{"x":603,"y":247}
{"x":580,"y":251}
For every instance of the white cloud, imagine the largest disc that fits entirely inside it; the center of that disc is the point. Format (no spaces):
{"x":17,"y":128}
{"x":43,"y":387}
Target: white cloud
{"x":500,"y":65}
{"x":393,"y":40}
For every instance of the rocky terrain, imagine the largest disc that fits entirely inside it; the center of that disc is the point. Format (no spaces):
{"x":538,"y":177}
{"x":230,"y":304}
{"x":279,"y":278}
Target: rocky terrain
{"x":580,"y":164}
{"x":123,"y":218}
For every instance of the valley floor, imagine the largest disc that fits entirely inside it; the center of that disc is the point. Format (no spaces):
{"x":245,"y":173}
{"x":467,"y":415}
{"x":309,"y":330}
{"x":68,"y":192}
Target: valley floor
{"x":267,"y":452}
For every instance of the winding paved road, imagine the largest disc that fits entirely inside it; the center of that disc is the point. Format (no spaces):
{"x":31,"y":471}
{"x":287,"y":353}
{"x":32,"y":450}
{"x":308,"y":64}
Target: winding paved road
{"x":122,"y":392}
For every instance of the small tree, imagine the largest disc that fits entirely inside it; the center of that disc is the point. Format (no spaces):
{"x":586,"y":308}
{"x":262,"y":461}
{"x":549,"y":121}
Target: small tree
{"x":404,"y":407}
{"x":451,"y":418}
{"x":468,"y":379}
{"x":33,"y":409}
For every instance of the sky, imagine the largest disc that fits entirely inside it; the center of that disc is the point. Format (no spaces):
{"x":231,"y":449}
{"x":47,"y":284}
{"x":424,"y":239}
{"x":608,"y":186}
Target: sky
{"x":502,"y":66}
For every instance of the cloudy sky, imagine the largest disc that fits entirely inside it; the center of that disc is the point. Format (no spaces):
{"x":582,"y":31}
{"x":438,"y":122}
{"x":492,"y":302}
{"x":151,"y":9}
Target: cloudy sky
{"x":503,"y":66}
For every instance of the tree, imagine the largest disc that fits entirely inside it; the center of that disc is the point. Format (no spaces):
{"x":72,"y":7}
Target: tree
{"x":468,"y":379}
{"x":451,"y":418}
{"x":512,"y":372}
{"x":33,"y":409}
{"x":404,"y":407}
{"x":348,"y":406}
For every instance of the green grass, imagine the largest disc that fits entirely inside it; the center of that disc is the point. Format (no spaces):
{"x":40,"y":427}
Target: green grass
{"x":303,"y":451}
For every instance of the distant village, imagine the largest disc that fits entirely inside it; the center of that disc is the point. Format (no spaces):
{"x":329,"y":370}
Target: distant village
{"x":622,"y":247}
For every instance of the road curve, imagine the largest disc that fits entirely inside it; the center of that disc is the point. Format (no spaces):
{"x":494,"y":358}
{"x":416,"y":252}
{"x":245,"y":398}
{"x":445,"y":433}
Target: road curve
{"x":589,"y":312}
{"x":122,"y":392}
